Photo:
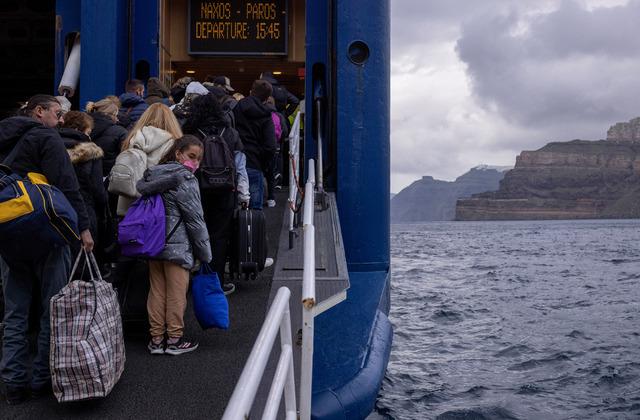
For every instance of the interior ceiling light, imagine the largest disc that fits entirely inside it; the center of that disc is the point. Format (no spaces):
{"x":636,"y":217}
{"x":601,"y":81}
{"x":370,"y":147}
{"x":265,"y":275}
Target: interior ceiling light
{"x":277,"y":72}
{"x":191,"y":72}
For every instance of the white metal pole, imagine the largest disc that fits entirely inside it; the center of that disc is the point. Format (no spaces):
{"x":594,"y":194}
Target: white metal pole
{"x":306,"y":364}
{"x":286,"y":339}
{"x":309,"y":272}
{"x":239,"y":406}
{"x":280,"y":378}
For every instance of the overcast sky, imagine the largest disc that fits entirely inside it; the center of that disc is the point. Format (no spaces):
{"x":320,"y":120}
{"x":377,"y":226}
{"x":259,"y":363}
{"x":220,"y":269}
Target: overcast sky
{"x":477,"y":81}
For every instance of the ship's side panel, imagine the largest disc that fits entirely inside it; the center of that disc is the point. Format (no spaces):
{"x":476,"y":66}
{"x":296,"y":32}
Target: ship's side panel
{"x":146,"y":24}
{"x":353,"y":339}
{"x":103,"y":37}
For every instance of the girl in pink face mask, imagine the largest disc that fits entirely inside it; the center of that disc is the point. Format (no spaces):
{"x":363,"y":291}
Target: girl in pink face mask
{"x":186,"y":243}
{"x":190,"y":157}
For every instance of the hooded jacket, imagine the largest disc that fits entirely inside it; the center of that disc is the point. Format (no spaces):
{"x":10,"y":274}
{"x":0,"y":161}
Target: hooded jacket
{"x":155,"y":143}
{"x":86,"y":158}
{"x":41,"y":150}
{"x":109,"y":136}
{"x":183,"y":212}
{"x":286,"y":102}
{"x":254,"y":124}
{"x":157,"y":92}
{"x":132,"y":108}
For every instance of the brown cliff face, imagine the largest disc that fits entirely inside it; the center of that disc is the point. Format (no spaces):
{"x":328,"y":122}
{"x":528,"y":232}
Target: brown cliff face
{"x":572,"y":180}
{"x":628,"y":132}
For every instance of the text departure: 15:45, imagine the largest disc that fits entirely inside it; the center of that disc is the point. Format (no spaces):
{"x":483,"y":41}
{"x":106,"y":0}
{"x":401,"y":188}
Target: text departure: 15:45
{"x":268,"y":30}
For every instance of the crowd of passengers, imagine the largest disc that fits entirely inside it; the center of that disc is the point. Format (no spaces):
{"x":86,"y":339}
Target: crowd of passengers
{"x":76,"y":151}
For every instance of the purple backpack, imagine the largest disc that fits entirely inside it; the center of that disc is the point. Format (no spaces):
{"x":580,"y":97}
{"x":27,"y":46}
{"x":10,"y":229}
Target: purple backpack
{"x":141,"y":233}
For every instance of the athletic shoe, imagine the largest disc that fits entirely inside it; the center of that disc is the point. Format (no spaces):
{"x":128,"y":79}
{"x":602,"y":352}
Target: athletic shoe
{"x":268,"y":262}
{"x":228,"y":288}
{"x":181,"y":346}
{"x":156,"y":348}
{"x":271,"y":203}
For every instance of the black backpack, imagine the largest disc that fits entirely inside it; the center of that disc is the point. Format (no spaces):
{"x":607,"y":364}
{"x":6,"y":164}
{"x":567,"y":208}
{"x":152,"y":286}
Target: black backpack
{"x":218,"y":169}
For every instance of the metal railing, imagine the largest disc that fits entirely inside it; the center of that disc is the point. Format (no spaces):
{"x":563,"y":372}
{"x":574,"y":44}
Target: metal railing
{"x":308,"y":295}
{"x":278,"y":319}
{"x":294,"y":170}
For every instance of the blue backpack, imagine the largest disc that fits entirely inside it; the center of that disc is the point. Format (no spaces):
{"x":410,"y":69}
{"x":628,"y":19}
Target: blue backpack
{"x":141,"y":234}
{"x":34,"y":216}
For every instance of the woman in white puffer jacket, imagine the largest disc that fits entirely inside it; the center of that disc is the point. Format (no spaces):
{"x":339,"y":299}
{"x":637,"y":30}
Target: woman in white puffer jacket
{"x":149,"y":140}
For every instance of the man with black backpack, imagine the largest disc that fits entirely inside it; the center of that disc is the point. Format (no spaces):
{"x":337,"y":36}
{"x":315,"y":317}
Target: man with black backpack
{"x":220,"y":175}
{"x":29,"y":144}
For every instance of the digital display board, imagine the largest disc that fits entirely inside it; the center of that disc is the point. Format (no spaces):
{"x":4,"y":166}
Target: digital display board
{"x":238,"y":27}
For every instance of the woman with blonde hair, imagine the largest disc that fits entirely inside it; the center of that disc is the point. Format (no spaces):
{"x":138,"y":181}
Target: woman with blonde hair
{"x":153,"y":135}
{"x":106,"y":132}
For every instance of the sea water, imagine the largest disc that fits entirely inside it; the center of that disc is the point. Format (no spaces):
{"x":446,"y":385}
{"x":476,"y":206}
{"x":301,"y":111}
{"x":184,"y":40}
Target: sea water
{"x":514,"y":320}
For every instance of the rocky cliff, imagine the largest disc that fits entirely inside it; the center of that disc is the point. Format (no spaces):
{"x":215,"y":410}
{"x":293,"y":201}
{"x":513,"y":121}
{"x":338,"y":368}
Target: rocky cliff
{"x":431,"y":199}
{"x":571,"y":180}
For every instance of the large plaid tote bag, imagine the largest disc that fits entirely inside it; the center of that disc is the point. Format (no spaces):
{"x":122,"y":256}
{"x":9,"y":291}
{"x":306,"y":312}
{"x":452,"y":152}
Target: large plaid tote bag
{"x":87,"y":347}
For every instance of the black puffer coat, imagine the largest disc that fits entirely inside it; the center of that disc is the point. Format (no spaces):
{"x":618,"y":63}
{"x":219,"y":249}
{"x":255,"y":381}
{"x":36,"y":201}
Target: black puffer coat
{"x":109,"y":136}
{"x":183,"y":210}
{"x":86,"y":157}
{"x":42,"y":150}
{"x":258,"y":135}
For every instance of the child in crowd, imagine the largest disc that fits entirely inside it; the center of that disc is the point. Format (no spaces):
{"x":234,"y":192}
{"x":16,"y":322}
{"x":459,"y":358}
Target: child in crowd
{"x":187,"y":242}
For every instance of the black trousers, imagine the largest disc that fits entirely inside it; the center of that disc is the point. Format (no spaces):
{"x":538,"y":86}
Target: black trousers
{"x":218,"y":215}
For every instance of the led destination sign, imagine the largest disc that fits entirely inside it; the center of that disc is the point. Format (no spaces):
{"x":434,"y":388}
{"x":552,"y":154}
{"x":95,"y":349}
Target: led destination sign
{"x":238,"y":27}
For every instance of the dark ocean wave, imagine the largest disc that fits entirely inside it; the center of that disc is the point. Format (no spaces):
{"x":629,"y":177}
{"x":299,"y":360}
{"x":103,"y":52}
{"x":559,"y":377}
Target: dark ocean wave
{"x":514,"y":320}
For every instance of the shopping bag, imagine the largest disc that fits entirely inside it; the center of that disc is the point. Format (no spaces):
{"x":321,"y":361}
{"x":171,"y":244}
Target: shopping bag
{"x":87,"y":352}
{"x":209,"y":302}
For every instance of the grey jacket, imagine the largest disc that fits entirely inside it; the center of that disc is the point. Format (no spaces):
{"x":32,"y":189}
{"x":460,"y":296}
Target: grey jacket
{"x":183,"y":209}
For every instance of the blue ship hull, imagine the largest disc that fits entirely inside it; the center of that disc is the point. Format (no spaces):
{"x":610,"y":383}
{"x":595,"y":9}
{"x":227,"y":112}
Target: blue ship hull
{"x":347,"y":71}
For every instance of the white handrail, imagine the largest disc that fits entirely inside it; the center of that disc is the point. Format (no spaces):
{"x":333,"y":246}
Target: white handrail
{"x":308,"y":296}
{"x":294,"y":170}
{"x":278,"y":319}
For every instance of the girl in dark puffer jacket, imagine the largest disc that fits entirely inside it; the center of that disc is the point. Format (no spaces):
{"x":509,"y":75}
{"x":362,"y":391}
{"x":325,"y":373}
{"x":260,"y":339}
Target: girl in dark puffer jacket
{"x":188,"y":242}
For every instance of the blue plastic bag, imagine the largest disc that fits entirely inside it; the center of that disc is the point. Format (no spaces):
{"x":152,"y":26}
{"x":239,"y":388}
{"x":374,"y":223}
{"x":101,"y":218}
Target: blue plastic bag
{"x":209,"y":302}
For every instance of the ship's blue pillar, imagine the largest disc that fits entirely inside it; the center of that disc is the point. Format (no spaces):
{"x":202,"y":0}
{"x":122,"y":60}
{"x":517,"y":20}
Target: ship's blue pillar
{"x":362,"y":93}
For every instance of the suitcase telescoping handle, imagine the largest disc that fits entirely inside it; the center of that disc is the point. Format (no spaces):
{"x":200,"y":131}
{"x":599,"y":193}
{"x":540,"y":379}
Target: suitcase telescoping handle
{"x":90,"y":263}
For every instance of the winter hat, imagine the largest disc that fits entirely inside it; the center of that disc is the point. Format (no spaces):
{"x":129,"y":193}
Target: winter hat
{"x":225,"y":82}
{"x":197,"y":88}
{"x":64,"y":103}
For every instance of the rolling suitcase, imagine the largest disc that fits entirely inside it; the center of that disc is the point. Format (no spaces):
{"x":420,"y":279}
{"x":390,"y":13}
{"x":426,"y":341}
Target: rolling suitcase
{"x":251,"y":242}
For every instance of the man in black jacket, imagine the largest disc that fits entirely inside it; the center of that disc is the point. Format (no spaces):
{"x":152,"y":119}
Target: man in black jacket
{"x":286,"y":102}
{"x":29,"y":143}
{"x":255,"y":126}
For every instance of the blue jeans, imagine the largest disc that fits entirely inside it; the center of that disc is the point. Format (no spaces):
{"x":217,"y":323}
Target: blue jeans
{"x":49,"y":274}
{"x":256,"y":188}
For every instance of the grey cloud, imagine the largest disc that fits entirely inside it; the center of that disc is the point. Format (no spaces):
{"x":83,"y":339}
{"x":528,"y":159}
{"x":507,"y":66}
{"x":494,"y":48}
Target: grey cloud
{"x":571,"y":65}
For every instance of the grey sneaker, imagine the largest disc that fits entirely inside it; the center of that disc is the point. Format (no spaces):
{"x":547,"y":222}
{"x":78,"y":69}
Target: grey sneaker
{"x":156,"y":348}
{"x":181,"y":346}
